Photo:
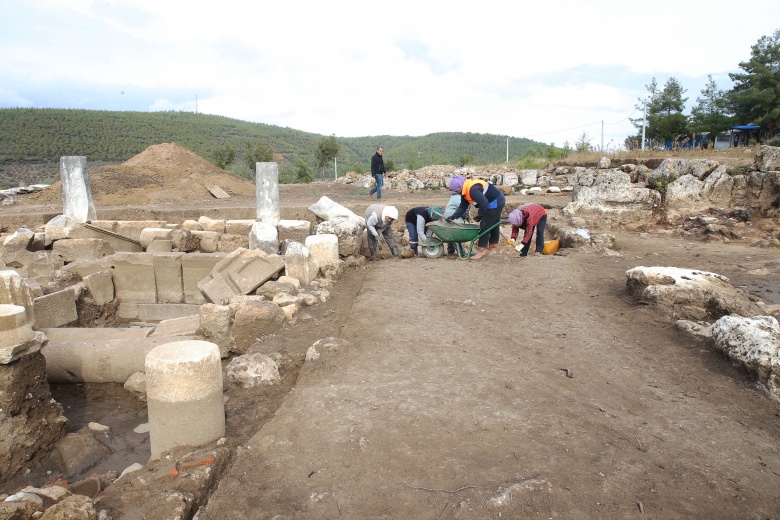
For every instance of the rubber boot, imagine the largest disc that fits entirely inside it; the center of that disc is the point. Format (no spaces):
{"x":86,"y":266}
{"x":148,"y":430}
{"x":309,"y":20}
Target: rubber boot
{"x":373,"y":252}
{"x":482,"y":253}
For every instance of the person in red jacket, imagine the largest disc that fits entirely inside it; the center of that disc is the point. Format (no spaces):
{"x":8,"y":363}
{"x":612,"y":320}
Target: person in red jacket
{"x":528,"y":218}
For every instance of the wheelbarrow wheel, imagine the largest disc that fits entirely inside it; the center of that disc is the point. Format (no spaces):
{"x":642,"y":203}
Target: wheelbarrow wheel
{"x":433,"y":251}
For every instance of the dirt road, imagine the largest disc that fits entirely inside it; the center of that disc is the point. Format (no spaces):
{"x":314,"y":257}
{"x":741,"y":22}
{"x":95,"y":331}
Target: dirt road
{"x":514,"y":388}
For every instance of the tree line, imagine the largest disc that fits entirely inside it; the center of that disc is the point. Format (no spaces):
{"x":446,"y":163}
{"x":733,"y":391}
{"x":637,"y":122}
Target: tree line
{"x":753,"y":100}
{"x":43,"y":135}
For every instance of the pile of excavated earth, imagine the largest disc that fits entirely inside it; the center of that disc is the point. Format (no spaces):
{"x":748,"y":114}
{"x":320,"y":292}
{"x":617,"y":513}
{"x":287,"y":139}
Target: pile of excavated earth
{"x":87,"y":302}
{"x":162,"y":174}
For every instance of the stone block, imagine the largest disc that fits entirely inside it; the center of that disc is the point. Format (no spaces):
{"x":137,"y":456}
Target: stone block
{"x":14,"y":291}
{"x":241,"y":272}
{"x":293,"y":230}
{"x":16,"y":334}
{"x":239,"y":227}
{"x":184,"y":241}
{"x":155,"y":311}
{"x":84,"y":268}
{"x":76,"y":334}
{"x":195,"y":267}
{"x":229,"y":243}
{"x":134,"y":280}
{"x":298,"y":263}
{"x":108,"y":225}
{"x":132,"y":228}
{"x":215,"y":322}
{"x":348,"y":230}
{"x":149,"y":235}
{"x":191,"y":225}
{"x":209,"y":224}
{"x":80,"y":451}
{"x":168,"y":277}
{"x":57,"y":309}
{"x":160,"y":246}
{"x":100,"y":286}
{"x":264,"y":237}
{"x":184,"y":326}
{"x":209,"y":240}
{"x":254,"y":320}
{"x":324,"y":249}
{"x":82,"y":249}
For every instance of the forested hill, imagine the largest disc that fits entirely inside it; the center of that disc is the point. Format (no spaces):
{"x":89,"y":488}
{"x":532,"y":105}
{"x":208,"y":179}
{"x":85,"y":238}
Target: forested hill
{"x":30,"y":135}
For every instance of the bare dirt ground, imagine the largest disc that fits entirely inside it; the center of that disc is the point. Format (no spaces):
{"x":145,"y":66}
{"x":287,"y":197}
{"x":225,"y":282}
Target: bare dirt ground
{"x":453,"y":400}
{"x":507,"y":388}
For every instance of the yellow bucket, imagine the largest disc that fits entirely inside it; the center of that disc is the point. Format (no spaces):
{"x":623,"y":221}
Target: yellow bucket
{"x":551,"y":246}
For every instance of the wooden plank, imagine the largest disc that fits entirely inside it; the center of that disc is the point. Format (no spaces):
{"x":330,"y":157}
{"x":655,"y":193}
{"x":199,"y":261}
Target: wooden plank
{"x":218,"y":192}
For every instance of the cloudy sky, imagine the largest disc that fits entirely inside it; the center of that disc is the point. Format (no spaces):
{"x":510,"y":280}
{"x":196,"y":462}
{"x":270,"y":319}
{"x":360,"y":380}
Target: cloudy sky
{"x":549,"y":70}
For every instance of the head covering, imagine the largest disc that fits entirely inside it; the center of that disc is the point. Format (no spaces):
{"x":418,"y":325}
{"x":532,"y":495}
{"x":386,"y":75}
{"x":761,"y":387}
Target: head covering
{"x":390,"y":211}
{"x":456,"y":184}
{"x":516,"y":218}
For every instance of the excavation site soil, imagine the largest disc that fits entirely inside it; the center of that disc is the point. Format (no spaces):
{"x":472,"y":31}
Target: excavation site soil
{"x":506,"y":388}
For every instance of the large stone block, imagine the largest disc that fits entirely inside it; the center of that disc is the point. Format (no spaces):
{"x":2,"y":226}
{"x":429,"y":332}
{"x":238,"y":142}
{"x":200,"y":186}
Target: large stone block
{"x":298,"y":263}
{"x":241,"y":272}
{"x":134,"y":280}
{"x":229,"y":243}
{"x":17,"y":339}
{"x":184,"y":326}
{"x":349,"y":232}
{"x":324,"y":249}
{"x":326,"y":209}
{"x":239,"y":227}
{"x":215,"y":323}
{"x":149,"y":235}
{"x":253,"y":320}
{"x":82,"y":249}
{"x":267,"y":192}
{"x":195,"y":267}
{"x":58,"y":308}
{"x":132,"y":228}
{"x":168,"y":277}
{"x":155,"y":311}
{"x":293,"y":230}
{"x":264,"y":237}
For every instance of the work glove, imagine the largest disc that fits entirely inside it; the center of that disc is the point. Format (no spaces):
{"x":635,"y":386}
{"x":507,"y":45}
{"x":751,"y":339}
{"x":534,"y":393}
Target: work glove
{"x":510,"y":241}
{"x":477,"y":218}
{"x":448,"y":220}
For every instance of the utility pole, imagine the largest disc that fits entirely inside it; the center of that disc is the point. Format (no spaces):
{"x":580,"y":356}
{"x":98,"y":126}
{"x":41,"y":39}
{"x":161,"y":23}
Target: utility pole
{"x":196,"y":103}
{"x":644,"y":119}
{"x":336,"y":166}
{"x":602,"y":136}
{"x":507,"y":150}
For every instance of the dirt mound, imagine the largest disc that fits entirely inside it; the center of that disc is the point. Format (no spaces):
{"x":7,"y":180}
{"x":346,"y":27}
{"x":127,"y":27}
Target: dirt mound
{"x":161,"y":174}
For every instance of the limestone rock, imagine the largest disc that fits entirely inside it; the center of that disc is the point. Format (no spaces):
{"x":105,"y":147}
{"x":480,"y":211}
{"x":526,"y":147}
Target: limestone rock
{"x":252,"y":321}
{"x":689,"y":294}
{"x":349,"y":232}
{"x":754,"y":342}
{"x":251,"y":370}
{"x":767,"y":159}
{"x":324,"y":345}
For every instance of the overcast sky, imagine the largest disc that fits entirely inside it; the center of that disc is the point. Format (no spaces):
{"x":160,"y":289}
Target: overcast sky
{"x":547,"y":70}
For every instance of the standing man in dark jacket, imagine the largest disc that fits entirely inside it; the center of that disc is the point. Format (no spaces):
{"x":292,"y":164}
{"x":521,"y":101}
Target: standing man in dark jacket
{"x":378,"y":171}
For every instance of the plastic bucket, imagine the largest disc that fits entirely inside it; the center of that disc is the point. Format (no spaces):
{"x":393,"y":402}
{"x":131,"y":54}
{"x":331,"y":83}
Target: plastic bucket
{"x":551,"y":246}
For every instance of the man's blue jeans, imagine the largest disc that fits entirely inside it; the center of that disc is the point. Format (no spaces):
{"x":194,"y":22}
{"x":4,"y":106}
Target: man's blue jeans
{"x":380,"y":181}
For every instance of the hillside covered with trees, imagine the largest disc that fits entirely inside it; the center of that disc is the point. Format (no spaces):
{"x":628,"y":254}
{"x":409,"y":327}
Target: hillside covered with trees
{"x":32,"y":141}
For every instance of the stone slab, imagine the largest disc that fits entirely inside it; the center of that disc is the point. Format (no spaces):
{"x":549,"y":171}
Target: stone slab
{"x":134,"y":280}
{"x":218,"y":192}
{"x":168,"y":278}
{"x":56,"y":309}
{"x":184,"y":326}
{"x":195,"y":267}
{"x":156,"y":311}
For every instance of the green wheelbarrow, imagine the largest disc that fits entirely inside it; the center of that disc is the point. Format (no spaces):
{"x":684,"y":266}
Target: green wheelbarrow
{"x":452,"y":232}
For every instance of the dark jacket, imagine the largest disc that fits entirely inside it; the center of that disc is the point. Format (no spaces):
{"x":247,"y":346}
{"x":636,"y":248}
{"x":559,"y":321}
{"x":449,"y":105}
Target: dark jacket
{"x":490,"y":199}
{"x":377,"y":165}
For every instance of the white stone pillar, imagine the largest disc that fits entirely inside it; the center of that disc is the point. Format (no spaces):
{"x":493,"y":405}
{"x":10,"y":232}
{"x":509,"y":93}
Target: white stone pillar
{"x":76,"y":189}
{"x":184,"y":395}
{"x":267,"y":192}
